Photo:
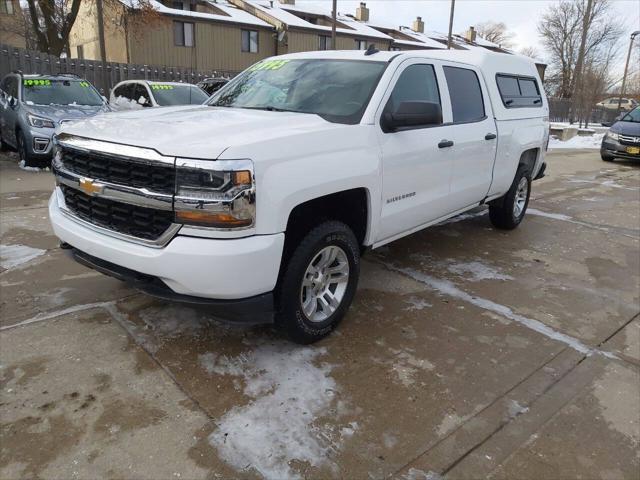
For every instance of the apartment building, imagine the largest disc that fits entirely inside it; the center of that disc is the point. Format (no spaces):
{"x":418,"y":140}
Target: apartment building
{"x":197,"y":34}
{"x":301,"y":28}
{"x":12,"y":24}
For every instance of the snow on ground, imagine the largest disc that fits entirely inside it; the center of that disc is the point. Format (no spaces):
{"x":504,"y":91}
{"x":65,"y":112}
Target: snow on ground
{"x":476,"y":271}
{"x":12,"y":256}
{"x":290,"y":390}
{"x":592,"y":141}
{"x":23,"y":166}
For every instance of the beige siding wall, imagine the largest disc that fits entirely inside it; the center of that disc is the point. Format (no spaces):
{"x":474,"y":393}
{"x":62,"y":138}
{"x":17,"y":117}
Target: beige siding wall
{"x":85,"y":32}
{"x":12,"y":27}
{"x":217,"y":46}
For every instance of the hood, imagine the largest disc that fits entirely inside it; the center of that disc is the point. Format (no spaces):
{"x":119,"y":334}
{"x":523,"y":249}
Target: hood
{"x":66,"y":112}
{"x":626,"y":128}
{"x":195,"y":131}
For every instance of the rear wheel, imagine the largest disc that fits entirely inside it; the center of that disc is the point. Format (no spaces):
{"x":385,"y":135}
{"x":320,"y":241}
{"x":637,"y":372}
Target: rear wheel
{"x":318,"y":283}
{"x":3,"y":145}
{"x":507,"y":212}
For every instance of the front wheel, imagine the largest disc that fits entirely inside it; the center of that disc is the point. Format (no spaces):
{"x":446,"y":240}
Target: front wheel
{"x":606,"y":158}
{"x":318,"y":283}
{"x":507,"y":212}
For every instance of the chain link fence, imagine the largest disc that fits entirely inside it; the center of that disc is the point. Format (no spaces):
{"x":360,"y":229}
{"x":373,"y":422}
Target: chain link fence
{"x":104,"y":75}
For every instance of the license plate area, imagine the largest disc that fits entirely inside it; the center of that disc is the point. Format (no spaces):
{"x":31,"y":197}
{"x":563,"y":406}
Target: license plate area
{"x":633,"y":150}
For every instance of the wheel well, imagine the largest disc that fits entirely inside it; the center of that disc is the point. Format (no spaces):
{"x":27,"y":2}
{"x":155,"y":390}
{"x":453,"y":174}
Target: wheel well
{"x":349,"y":206}
{"x":528,"y":159}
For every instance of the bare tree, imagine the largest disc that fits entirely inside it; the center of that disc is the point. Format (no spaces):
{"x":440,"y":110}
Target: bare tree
{"x":495,"y":32}
{"x":531,"y":52}
{"x":561,"y":30}
{"x":51,"y":21}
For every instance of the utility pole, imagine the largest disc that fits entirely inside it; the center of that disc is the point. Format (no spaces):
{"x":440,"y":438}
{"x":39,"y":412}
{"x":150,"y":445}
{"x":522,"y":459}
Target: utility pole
{"x":626,"y":68}
{"x":103,"y":47}
{"x":333,"y":24}
{"x":450,"y":41}
{"x":577,"y":93}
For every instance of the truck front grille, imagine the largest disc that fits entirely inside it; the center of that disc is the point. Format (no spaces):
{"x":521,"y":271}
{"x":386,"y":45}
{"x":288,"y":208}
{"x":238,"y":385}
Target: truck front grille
{"x":140,"y":222}
{"x":122,"y":171}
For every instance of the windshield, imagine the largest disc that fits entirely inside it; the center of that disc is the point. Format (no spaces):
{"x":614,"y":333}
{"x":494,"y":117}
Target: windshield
{"x":47,"y":91}
{"x":167,"y":95}
{"x":337,"y":90}
{"x":632,"y":116}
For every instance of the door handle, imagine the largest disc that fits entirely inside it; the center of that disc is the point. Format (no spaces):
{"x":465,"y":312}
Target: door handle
{"x":445,"y":144}
{"x":490,"y":136}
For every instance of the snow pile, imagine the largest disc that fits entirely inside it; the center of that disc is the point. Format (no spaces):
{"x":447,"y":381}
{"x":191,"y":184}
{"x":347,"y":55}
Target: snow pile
{"x":289,"y":391}
{"x":593,"y":141}
{"x":12,"y":256}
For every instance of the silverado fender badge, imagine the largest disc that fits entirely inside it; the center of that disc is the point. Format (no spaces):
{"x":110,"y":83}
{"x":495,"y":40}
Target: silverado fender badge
{"x":89,"y":187}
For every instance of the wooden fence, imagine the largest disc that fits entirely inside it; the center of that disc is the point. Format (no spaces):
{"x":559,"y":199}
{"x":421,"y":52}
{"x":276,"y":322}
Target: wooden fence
{"x":103,"y":75}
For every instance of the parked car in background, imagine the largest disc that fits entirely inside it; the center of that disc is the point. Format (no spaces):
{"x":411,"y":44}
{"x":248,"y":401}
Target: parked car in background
{"x":212,"y":85}
{"x":32,"y":106}
{"x":623,"y":138}
{"x":260,"y":202}
{"x":135,"y":94}
{"x":626,"y":104}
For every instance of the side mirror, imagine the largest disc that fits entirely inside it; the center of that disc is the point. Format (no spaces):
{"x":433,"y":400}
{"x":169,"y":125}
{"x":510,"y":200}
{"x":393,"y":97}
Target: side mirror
{"x":142,"y":100}
{"x":412,"y":114}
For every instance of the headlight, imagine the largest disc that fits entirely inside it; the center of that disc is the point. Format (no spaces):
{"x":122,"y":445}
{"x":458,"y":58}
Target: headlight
{"x":40,"y":122}
{"x":218,"y":194}
{"x":613,"y":136}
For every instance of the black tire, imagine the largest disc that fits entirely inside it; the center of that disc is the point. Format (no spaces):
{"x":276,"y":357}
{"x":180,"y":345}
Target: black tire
{"x":21,"y":147}
{"x":291,"y":318}
{"x":502,"y":211}
{"x":3,"y":145}
{"x":606,"y":158}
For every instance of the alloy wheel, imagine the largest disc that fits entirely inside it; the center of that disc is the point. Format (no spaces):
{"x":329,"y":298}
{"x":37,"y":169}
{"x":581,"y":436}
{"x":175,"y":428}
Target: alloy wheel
{"x":324,"y":283}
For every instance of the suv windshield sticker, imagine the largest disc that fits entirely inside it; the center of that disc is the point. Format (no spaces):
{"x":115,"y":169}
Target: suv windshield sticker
{"x":269,"y":65}
{"x":161,"y":87}
{"x":84,"y":84}
{"x":29,"y":82}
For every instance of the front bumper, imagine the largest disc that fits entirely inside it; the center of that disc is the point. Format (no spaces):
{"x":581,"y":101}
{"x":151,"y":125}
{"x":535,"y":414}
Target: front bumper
{"x":39,"y":141}
{"x":615,"y":149}
{"x":221,"y":270}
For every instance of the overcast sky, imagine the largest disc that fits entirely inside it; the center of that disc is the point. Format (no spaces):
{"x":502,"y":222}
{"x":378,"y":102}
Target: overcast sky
{"x":520,"y":16}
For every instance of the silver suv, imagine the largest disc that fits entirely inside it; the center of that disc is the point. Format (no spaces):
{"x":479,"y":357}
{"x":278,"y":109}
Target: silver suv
{"x":31,"y":106}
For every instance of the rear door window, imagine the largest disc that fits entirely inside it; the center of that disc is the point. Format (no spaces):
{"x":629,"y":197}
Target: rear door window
{"x":519,"y":91}
{"x":465,"y":93}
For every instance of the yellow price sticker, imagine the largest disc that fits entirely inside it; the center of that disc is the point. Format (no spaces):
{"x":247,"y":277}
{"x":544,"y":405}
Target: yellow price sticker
{"x":269,"y":65}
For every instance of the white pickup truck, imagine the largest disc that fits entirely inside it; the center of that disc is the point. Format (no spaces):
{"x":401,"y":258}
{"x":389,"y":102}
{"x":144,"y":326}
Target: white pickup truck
{"x":260,"y":202}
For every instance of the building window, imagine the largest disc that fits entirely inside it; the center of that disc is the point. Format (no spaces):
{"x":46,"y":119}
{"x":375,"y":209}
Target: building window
{"x":361,"y":44}
{"x":250,"y":41}
{"x":183,"y":34}
{"x":80,"y":51}
{"x":6,"y":6}
{"x":395,"y":49}
{"x":324,"y":42}
{"x":183,"y":5}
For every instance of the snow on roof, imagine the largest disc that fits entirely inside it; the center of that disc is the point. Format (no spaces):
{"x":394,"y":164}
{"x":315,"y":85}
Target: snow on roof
{"x":284,"y":14}
{"x":423,"y":38}
{"x":230,"y":13}
{"x":485,"y":43}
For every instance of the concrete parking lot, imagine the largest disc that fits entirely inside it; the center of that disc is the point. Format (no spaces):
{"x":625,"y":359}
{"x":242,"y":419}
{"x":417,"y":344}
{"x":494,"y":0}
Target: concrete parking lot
{"x":468,"y":353}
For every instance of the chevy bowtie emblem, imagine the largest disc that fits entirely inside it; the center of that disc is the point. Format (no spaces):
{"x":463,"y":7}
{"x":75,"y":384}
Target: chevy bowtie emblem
{"x":89,"y":187}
